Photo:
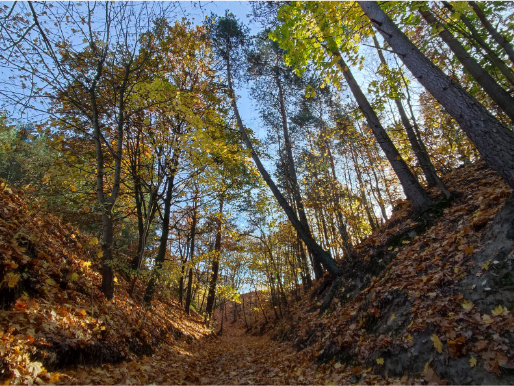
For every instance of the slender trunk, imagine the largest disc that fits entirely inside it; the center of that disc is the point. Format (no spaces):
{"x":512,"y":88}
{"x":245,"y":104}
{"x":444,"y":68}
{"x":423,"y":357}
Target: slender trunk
{"x":203,"y":301}
{"x":362,"y":190}
{"x":291,"y":173}
{"x":422,"y":156}
{"x":215,"y":261}
{"x":498,"y":38}
{"x":494,"y":141}
{"x":163,"y":242}
{"x":306,"y":275}
{"x":182,"y":272}
{"x":192,"y":249}
{"x":341,"y":224}
{"x":476,"y":38}
{"x":189,"y":291}
{"x":137,"y":260}
{"x":413,"y":190}
{"x":244,"y":310}
{"x":482,"y":77}
{"x":315,"y":249}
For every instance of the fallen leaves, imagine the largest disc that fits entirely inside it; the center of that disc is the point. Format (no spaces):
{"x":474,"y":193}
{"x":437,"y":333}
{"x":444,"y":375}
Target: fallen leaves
{"x":467,"y":305}
{"x":398,"y":309}
{"x":437,"y":343}
{"x":66,"y":312}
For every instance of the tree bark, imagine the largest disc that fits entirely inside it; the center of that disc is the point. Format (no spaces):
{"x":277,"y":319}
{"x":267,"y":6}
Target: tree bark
{"x":411,"y":187}
{"x":423,"y":158}
{"x":486,"y":81}
{"x":494,"y":141}
{"x":341,"y":224}
{"x":192,"y":253}
{"x":491,"y":55}
{"x":163,"y":242}
{"x":291,"y":171}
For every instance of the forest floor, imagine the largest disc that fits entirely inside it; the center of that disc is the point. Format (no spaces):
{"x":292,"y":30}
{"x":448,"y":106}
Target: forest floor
{"x":422,"y":302}
{"x":234,"y":358}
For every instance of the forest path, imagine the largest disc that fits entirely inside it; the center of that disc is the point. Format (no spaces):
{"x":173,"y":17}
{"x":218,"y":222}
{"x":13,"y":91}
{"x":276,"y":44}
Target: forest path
{"x":232,"y":358}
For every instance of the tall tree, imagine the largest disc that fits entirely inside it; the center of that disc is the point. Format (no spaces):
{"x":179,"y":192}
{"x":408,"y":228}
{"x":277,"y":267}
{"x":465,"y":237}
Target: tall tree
{"x":494,"y":141}
{"x":486,"y":81}
{"x":495,"y":34}
{"x":228,"y":37}
{"x":419,"y":150}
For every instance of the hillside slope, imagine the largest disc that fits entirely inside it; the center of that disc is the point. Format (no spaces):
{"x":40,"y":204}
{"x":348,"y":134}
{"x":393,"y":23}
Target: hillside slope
{"x":53,"y":314}
{"x":415,"y":304}
{"x":426,"y":300}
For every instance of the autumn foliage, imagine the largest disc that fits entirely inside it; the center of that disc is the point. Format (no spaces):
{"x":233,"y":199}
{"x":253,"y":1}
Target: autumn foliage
{"x":54,"y":314}
{"x":440,"y":309}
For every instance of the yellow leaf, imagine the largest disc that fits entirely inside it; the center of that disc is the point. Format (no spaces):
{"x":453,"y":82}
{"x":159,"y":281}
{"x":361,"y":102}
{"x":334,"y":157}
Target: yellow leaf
{"x":380,"y":361}
{"x":337,"y":365}
{"x":486,"y":265}
{"x":74,"y":276}
{"x":467,"y":305}
{"x":472,"y":362}
{"x":73,"y":188}
{"x":437,"y":343}
{"x":12,"y":279}
{"x":100,"y":253}
{"x":487,"y":319}
{"x":393,"y":317}
{"x":50,"y":282}
{"x":498,"y":310}
{"x":93,"y":241}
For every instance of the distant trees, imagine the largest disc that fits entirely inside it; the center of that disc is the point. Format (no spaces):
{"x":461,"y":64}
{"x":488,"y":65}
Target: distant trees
{"x":142,"y":134}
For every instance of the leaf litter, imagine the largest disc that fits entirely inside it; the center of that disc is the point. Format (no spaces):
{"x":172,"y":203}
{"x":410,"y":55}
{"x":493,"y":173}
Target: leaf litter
{"x":433,"y":314}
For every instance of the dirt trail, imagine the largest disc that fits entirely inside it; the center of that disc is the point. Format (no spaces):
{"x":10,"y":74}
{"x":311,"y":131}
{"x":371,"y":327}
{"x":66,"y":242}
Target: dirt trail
{"x":232,"y":358}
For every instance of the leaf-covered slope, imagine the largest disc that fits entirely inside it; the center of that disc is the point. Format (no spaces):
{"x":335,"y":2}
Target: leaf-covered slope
{"x":442,"y":308}
{"x":53,"y":314}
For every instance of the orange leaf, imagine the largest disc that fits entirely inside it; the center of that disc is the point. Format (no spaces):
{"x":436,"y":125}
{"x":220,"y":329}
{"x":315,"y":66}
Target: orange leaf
{"x":468,"y":250}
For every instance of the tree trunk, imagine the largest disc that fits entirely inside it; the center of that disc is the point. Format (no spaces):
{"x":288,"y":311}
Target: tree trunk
{"x":482,"y":77}
{"x":314,"y":248}
{"x":498,"y":38}
{"x":491,"y":55}
{"x":192,"y":253}
{"x":215,"y":262}
{"x":163,"y":242}
{"x":341,"y":225}
{"x":411,"y":187}
{"x":422,"y":156}
{"x":494,"y":141}
{"x":291,"y":172}
{"x":306,"y":275}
